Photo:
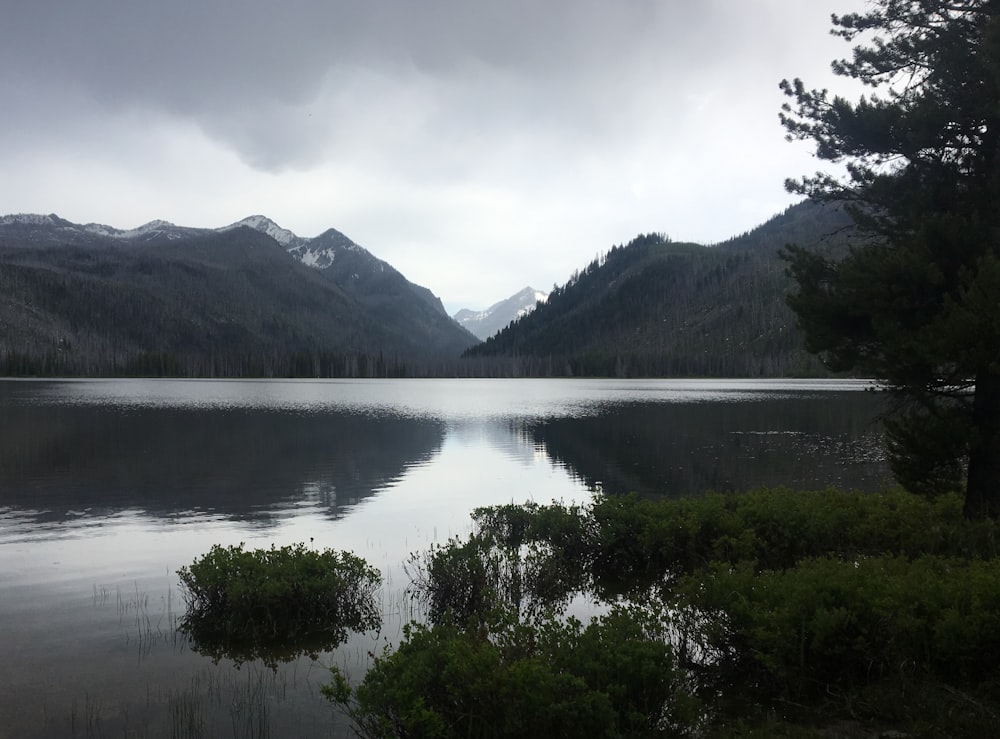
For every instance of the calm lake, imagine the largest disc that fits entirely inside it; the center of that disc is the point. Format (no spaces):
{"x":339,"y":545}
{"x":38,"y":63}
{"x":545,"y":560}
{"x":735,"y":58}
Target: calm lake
{"x":107,"y":487}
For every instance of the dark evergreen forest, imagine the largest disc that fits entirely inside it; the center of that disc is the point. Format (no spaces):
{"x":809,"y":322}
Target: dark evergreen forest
{"x":235,"y":304}
{"x":229,"y":304}
{"x":656,"y":308}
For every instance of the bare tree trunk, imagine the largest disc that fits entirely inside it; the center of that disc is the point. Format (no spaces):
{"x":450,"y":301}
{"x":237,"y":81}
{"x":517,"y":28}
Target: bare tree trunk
{"x":982,"y":494}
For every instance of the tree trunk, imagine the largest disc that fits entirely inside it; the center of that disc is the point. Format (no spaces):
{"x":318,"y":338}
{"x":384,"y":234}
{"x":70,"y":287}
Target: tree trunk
{"x":982,"y":493}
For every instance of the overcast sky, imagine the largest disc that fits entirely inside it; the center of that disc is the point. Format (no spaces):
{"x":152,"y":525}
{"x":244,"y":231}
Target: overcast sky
{"x":477,"y":147}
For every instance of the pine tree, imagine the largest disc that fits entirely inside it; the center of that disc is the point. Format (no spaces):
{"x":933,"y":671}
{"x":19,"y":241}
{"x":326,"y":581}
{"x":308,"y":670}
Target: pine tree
{"x":916,"y":302}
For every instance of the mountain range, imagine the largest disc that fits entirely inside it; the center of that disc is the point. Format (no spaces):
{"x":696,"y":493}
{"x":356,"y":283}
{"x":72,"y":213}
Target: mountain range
{"x":487,"y":322}
{"x":247,"y":298}
{"x":254,"y":299}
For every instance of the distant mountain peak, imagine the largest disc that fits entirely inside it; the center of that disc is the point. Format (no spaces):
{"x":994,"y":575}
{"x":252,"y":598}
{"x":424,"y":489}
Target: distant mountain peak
{"x":265,"y":225}
{"x":317,"y":252}
{"x":31,"y":219}
{"x":154,"y":230}
{"x":487,"y":322}
{"x":154,"y":225}
{"x":157,"y":227}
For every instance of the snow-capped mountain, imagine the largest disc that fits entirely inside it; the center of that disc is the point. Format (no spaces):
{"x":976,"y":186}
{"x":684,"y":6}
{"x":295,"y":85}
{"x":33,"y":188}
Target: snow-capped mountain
{"x":265,"y":225}
{"x":370,"y":303}
{"x":354,"y":268}
{"x":319,"y":251}
{"x":153,"y":231}
{"x":51,"y":229}
{"x":31,"y":219}
{"x":487,"y":322}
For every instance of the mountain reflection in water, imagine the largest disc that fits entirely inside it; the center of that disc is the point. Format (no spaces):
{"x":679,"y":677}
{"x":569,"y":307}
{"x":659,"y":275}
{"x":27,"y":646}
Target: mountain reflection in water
{"x":686,"y":448}
{"x":243,"y":464}
{"x":107,"y":487}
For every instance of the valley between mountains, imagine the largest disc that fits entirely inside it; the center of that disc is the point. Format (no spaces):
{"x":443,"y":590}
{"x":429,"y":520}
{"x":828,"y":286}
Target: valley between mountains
{"x":252,"y":299}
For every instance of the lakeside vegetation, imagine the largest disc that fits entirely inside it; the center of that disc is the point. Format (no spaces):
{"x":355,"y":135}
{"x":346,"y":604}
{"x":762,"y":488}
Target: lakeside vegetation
{"x":771,"y":613}
{"x":276,"y":604}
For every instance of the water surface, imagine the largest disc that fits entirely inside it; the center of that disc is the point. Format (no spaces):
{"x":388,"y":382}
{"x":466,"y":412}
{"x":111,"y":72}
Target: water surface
{"x":107,"y":487}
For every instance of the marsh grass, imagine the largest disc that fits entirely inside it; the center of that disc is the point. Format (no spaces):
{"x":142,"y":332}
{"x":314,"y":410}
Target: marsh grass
{"x":187,"y":716}
{"x":144,"y":627}
{"x":215,"y":700}
{"x":86,"y":720}
{"x":151,"y":683}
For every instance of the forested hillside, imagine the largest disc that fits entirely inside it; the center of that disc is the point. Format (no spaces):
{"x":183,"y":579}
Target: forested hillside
{"x":204,"y":303}
{"x":168,"y":300}
{"x":657,"y":308}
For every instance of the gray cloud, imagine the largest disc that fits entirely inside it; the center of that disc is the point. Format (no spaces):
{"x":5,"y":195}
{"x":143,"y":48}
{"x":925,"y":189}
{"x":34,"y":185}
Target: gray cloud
{"x":278,"y":81}
{"x":481,"y":126}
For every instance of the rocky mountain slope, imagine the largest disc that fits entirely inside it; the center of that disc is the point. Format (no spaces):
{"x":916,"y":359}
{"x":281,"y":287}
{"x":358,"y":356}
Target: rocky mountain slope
{"x":248,"y":298}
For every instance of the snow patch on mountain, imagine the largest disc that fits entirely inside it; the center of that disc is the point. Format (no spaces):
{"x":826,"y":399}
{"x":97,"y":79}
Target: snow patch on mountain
{"x":317,"y":258}
{"x":29,"y":219}
{"x":318,"y":252}
{"x":150,"y":230}
{"x":147,"y":231}
{"x":487,"y":322}
{"x":532,"y":301}
{"x":265,"y":225}
{"x":99,"y":229}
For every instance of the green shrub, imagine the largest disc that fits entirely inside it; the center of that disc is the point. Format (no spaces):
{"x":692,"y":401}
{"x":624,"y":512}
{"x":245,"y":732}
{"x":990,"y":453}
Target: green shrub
{"x":522,"y":558}
{"x":614,"y":678}
{"x":790,"y":611}
{"x":244,"y":603}
{"x":623,"y":544}
{"x":637,"y":542}
{"x":458,"y":582}
{"x":833,"y":625}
